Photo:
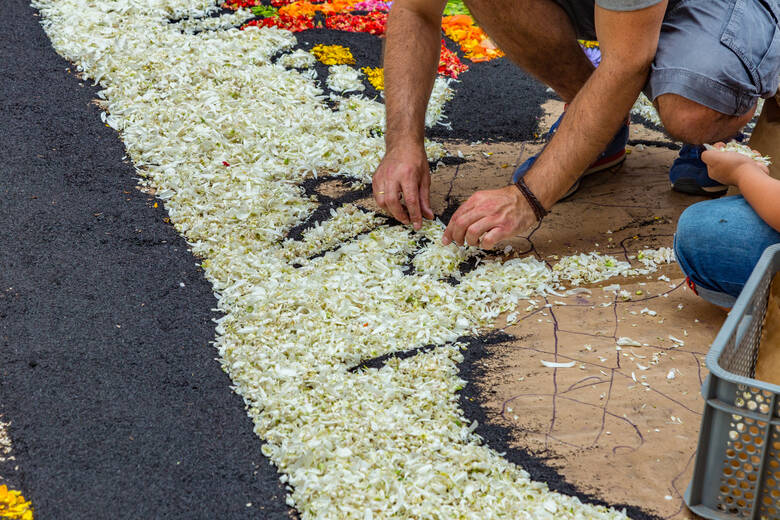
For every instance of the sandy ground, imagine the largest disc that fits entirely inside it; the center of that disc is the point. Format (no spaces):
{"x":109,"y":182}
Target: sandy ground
{"x":622,"y":424}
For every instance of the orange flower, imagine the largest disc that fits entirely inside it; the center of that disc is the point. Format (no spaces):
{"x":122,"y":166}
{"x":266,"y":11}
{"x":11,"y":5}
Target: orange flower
{"x":472,"y":40}
{"x":306,"y":8}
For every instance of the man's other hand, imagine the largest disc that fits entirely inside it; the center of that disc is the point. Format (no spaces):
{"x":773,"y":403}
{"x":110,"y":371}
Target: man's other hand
{"x":488,"y":217}
{"x":406,"y":174}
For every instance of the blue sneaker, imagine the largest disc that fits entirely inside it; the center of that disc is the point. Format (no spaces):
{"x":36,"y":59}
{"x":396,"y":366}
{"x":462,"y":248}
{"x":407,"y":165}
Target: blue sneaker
{"x":614,"y":155}
{"x":689,"y":174}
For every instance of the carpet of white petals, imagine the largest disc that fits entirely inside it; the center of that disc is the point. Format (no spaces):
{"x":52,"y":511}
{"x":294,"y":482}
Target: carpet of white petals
{"x":225,"y":134}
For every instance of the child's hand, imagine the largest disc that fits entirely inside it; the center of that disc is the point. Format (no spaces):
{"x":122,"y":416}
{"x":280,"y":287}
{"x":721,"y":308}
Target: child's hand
{"x":726,"y":167}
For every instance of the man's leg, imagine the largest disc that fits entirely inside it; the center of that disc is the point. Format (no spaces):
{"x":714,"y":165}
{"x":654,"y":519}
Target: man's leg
{"x":715,"y":58}
{"x":539,"y":37}
{"x":694,"y":123}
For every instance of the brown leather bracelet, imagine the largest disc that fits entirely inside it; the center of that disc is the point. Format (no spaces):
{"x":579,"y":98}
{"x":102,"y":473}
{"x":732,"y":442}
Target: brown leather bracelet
{"x":536,"y":206}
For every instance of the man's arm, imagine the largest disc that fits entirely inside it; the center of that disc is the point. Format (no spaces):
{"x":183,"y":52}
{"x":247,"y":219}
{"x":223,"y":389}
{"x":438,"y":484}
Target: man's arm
{"x":411,"y":59}
{"x":628,"y":41}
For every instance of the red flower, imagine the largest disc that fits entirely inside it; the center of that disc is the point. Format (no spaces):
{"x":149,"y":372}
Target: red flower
{"x":372,"y":23}
{"x":449,"y":63}
{"x":290,"y":23}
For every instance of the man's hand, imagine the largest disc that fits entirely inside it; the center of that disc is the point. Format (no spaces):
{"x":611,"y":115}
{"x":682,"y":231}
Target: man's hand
{"x":404,"y":173}
{"x":412,"y":47}
{"x":488,"y":217}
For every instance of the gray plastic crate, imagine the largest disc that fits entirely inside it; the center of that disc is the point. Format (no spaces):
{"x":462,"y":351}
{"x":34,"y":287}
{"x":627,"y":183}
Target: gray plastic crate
{"x":736,"y":474}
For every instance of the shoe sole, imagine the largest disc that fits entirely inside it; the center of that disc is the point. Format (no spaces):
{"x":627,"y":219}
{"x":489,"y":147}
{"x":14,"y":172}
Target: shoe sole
{"x":690,"y":187}
{"x":605,"y":164}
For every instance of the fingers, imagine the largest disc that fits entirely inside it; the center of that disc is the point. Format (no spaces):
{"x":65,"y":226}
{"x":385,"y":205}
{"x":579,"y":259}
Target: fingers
{"x":476,"y":231}
{"x":459,"y":224}
{"x":425,"y":198}
{"x":706,"y":156}
{"x":402,"y":189}
{"x":412,"y":202}
{"x":393,"y":204}
{"x":494,"y":236}
{"x":381,"y":195}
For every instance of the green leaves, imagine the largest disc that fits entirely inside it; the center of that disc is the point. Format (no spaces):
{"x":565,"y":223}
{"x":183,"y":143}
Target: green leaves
{"x":265,"y":11}
{"x":455,"y":7}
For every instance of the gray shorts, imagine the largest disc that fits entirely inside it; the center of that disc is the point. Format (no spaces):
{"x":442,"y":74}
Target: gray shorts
{"x":723,"y":54}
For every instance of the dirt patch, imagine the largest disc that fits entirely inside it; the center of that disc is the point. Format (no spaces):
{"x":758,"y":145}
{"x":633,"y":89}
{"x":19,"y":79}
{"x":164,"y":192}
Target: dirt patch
{"x":333,"y":189}
{"x":622,"y":423}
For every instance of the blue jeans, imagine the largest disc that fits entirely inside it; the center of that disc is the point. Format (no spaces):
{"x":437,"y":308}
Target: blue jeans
{"x":718,"y":243}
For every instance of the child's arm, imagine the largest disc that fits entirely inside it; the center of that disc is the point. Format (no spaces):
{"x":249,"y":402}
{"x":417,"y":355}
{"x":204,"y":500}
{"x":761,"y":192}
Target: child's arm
{"x":763,"y":194}
{"x":752,"y":178}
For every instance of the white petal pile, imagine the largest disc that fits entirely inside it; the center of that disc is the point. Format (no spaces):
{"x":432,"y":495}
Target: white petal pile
{"x":441,"y":93}
{"x":652,"y":258}
{"x":215,"y":23}
{"x":734,"y":146}
{"x":439,"y":261}
{"x":298,"y":59}
{"x":343,"y":78}
{"x":345,"y":222}
{"x":645,"y":108}
{"x":225,"y":136}
{"x":595,"y":267}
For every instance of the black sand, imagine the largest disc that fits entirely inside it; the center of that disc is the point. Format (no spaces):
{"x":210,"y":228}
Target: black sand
{"x":117,"y":406}
{"x":494,"y":101}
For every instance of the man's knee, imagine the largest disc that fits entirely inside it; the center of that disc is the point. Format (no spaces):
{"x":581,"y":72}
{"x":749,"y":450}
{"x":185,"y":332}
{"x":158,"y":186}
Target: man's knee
{"x":694,"y":123}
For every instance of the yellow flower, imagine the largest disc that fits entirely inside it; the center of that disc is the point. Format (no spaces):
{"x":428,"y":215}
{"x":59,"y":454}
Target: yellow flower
{"x":590,"y":44}
{"x":13,"y":505}
{"x":375,"y":76}
{"x":333,"y":54}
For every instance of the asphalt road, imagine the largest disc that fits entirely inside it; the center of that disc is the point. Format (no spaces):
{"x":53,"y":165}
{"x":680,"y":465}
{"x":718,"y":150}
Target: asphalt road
{"x":117,"y":406}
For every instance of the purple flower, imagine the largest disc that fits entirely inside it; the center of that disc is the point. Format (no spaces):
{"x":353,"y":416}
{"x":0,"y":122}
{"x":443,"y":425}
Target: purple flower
{"x":593,"y":54}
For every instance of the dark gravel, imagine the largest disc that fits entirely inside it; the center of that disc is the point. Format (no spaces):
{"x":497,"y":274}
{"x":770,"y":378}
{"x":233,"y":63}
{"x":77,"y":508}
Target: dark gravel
{"x":494,"y":101}
{"x":365,"y":48}
{"x":118,"y":408}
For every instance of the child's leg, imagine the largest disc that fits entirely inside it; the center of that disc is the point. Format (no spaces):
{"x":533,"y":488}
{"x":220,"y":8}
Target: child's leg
{"x":718,"y":243}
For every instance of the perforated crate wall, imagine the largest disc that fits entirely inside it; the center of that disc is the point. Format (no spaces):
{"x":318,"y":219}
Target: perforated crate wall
{"x":737,"y":469}
{"x":742,"y":463}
